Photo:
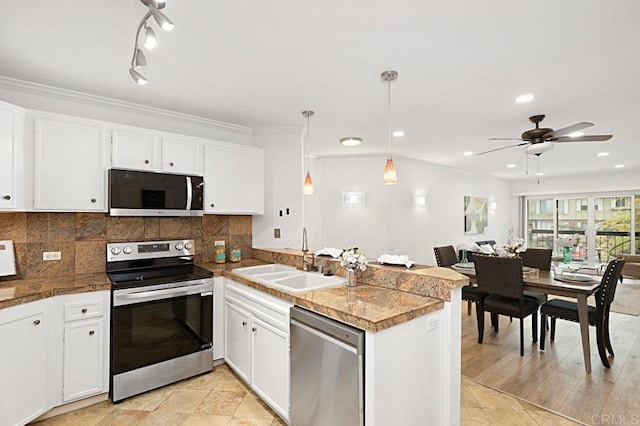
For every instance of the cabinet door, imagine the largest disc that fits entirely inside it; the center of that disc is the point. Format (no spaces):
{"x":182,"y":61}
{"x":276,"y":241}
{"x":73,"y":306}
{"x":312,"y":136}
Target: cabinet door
{"x":270,"y":365}
{"x":133,"y":151}
{"x":181,"y":157}
{"x":22,"y":365}
{"x":69,"y":167}
{"x":234,"y":180}
{"x":237,"y":340}
{"x":11,"y":122}
{"x":83,"y":359}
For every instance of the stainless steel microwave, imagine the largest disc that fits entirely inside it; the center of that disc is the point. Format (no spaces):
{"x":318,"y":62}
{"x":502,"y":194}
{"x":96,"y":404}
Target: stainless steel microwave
{"x":134,"y":193}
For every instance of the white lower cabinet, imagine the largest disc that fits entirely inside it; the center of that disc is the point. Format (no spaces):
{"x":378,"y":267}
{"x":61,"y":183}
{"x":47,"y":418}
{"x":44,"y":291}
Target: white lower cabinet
{"x":22,"y":363}
{"x":257,"y":343}
{"x":83,"y":359}
{"x":54,"y":351}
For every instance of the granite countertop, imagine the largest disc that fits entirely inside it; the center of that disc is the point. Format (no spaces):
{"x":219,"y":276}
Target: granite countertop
{"x":365,"y":306}
{"x":17,"y":292}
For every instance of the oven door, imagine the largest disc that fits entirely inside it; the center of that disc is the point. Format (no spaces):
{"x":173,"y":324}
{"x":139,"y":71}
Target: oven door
{"x":153,"y":324}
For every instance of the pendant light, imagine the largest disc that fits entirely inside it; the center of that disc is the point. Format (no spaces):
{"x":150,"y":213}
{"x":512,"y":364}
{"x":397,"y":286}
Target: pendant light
{"x":390,"y":176}
{"x":308,"y":184}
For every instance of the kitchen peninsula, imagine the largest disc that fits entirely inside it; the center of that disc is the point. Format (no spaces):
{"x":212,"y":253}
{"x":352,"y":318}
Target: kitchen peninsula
{"x":412,"y":361}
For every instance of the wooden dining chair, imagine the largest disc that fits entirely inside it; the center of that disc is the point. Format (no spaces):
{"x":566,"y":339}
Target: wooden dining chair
{"x":446,"y":256}
{"x":502,"y":293}
{"x":598,"y":315}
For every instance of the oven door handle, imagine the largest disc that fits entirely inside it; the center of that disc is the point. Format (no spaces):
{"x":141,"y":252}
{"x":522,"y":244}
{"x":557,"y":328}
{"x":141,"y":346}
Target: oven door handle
{"x":129,"y":298}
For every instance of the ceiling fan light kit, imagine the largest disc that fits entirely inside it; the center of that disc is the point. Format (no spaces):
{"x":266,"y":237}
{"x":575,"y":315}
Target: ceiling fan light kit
{"x":139,"y":60}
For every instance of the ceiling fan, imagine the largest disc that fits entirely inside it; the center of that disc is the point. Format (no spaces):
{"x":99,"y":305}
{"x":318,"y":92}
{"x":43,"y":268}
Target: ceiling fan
{"x":541,"y":139}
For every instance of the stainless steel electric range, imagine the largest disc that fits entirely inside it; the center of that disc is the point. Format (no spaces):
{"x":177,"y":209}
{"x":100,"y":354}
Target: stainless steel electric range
{"x":161,"y":315}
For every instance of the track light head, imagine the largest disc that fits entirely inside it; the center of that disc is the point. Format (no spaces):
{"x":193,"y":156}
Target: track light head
{"x":150,"y":40}
{"x":162,"y":20}
{"x":139,"y":60}
{"x":137,"y":77}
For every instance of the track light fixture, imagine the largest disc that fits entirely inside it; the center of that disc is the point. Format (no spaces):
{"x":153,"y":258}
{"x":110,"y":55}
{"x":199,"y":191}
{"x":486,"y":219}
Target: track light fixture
{"x":139,"y":60}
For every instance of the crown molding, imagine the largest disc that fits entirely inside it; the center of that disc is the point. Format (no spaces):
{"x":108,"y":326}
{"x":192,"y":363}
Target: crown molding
{"x":44,"y":90}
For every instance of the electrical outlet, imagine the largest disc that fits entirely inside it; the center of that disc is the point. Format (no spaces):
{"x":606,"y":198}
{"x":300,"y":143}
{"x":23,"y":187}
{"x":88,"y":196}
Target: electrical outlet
{"x":51,"y":255}
{"x":276,"y":233}
{"x":219,"y":243}
{"x":433,"y":323}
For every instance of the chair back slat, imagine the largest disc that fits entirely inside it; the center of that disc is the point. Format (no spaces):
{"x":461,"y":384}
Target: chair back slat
{"x":537,"y":258}
{"x":501,"y":276}
{"x":607,"y":290}
{"x":445,"y":256}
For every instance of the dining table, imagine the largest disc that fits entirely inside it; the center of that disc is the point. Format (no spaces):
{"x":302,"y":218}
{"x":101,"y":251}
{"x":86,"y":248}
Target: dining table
{"x":547,"y":282}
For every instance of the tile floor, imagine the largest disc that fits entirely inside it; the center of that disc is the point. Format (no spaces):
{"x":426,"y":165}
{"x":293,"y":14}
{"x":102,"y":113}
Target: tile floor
{"x":221,"y":398}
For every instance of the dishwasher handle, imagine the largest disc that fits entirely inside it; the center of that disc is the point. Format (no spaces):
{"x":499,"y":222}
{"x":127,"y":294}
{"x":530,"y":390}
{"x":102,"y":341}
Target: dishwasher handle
{"x":341,"y":334}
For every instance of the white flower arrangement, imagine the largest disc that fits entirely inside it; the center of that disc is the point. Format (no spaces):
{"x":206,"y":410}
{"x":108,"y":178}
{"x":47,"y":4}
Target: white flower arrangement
{"x":351,"y":258}
{"x":569,"y":241}
{"x":512,"y":248}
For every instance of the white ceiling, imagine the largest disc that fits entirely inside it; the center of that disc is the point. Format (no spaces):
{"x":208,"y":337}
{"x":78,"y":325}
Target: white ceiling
{"x":260,"y":63}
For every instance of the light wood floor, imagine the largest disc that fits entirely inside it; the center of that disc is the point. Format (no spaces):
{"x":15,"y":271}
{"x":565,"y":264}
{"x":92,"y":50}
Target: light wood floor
{"x":555,"y":378}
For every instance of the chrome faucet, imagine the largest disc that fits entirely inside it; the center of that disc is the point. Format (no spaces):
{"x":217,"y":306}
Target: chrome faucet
{"x":307,"y":261}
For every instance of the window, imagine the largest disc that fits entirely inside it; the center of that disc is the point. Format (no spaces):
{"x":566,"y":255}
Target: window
{"x":598,"y":204}
{"x":582,"y":205}
{"x":619,"y":203}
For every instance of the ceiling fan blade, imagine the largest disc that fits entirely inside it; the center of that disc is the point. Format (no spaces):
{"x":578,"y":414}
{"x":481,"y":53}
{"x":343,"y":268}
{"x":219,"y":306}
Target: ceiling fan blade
{"x":589,"y":138}
{"x":504,"y":147}
{"x":567,"y":130}
{"x":505,"y":139}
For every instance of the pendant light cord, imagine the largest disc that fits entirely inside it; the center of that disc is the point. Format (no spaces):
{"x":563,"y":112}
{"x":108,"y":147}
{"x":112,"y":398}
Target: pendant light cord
{"x":389,"y":120}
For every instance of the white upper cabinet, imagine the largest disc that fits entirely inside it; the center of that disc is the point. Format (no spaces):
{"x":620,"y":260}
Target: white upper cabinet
{"x":70,"y":166}
{"x":11,"y":133}
{"x":134,"y":150}
{"x":181,"y":156}
{"x":234,"y":179}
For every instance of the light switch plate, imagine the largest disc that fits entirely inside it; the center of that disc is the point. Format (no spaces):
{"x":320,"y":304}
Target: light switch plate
{"x":51,"y":255}
{"x":433,"y":323}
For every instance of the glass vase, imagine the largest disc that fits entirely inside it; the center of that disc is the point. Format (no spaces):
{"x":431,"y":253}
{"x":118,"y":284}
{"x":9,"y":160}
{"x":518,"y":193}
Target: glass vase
{"x":566,"y":255}
{"x":350,"y":274}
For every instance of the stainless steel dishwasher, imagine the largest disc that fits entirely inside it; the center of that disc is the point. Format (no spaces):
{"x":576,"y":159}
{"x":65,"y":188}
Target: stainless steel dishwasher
{"x":327,"y":371}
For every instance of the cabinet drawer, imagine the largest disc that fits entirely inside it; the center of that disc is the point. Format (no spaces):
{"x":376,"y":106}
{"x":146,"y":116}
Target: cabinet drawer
{"x":82,"y":310}
{"x":268,"y":308}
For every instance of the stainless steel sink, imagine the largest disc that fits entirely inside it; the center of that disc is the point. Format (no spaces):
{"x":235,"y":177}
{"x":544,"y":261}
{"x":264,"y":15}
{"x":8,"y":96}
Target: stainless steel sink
{"x":288,"y":278}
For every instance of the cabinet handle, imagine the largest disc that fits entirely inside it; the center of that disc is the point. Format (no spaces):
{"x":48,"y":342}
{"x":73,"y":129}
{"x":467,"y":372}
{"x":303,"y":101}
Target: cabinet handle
{"x":213,"y":205}
{"x":93,"y":200}
{"x":84,"y":310}
{"x":91,"y":333}
{"x":7,"y":197}
{"x":146,"y":161}
{"x":36,"y":322}
{"x":244,"y":323}
{"x":254,"y":329}
{"x":171,"y":164}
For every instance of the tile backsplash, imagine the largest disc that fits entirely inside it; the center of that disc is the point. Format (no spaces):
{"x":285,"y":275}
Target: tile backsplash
{"x":82,"y":238}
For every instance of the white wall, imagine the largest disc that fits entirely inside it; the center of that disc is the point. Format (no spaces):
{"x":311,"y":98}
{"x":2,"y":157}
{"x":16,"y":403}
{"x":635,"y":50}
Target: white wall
{"x":389,"y":222}
{"x":283,"y":178}
{"x":46,"y":98}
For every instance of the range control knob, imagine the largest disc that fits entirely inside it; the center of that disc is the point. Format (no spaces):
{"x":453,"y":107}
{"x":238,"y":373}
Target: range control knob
{"x":179,"y":246}
{"x":188,"y":245}
{"x":127,"y":250}
{"x":115,"y":250}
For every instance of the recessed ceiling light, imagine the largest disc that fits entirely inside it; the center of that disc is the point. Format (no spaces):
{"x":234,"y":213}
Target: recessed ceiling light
{"x":603,"y":154}
{"x":576,"y":134}
{"x":350,"y":141}
{"x":510,"y":166}
{"x":539,"y":174}
{"x":398,"y":134}
{"x":467,"y":153}
{"x":523,"y":99}
{"x":619,"y":166}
